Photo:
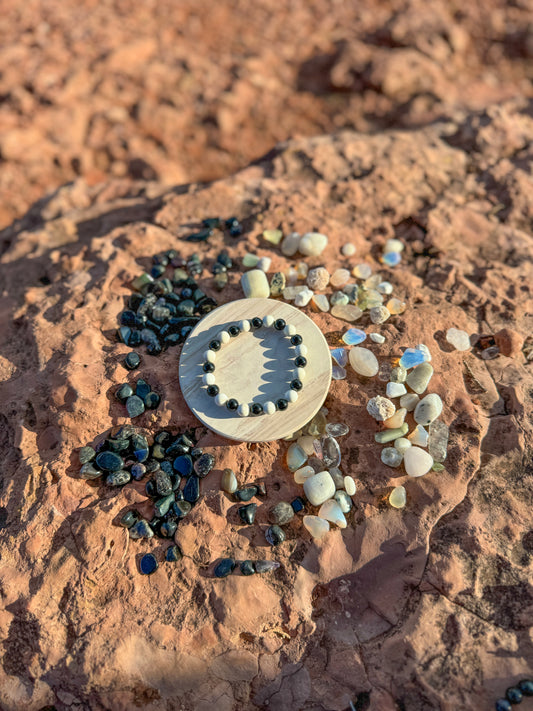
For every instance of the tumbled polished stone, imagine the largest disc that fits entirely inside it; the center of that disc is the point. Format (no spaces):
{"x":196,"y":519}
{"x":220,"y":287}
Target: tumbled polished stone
{"x":148,"y":564}
{"x":224,"y":567}
{"x":87,"y":454}
{"x":417,"y":461}
{"x":118,"y":478}
{"x":392,"y":434}
{"x":229,"y":482}
{"x":312,"y":244}
{"x":134,"y":406}
{"x":89,"y":471}
{"x":247,"y":567}
{"x":319,"y":488}
{"x":141,"y":529}
{"x":281,"y":513}
{"x":331,"y":452}
{"x":363,"y":361}
{"x":438,"y":440}
{"x":428,"y":409}
{"x":247,"y":513}
{"x":344,"y":501}
{"x":391,"y":457}
{"x":296,"y":457}
{"x":337,"y":429}
{"x":191,"y":490}
{"x":173,"y":554}
{"x":397,"y":497}
{"x":317,"y":527}
{"x":109,"y":461}
{"x":255,"y":284}
{"x":275,"y":535}
{"x":265,"y":566}
{"x":204,"y":465}
{"x":331,"y":511}
{"x":418,"y":379}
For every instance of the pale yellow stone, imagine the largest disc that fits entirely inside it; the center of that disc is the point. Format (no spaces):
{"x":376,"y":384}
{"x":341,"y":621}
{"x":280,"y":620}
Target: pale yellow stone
{"x":339,"y":278}
{"x":317,"y":527}
{"x":397,"y":497}
{"x":346,"y":312}
{"x":255,"y":284}
{"x":273,"y":236}
{"x":349,"y":485}
{"x":362,"y":271}
{"x":402,"y":444}
{"x":397,"y":419}
{"x":320,"y":301}
{"x":409,"y":401}
{"x":348,"y":249}
{"x":307,"y":444}
{"x":363,"y":361}
{"x":301,"y":475}
{"x":395,"y":306}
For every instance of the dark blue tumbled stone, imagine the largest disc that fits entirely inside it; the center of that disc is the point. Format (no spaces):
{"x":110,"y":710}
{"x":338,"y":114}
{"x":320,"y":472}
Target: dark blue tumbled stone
{"x":134,"y":406}
{"x":132,"y":360}
{"x":191,"y":490}
{"x":123,"y":392}
{"x":141,"y":529}
{"x":119,"y":478}
{"x":152,"y":465}
{"x":224,"y":568}
{"x":148,"y":564}
{"x":124,"y":333}
{"x":135,"y":339}
{"x":503,"y":705}
{"x":142,"y":388}
{"x":152,"y":400}
{"x":183,"y":465}
{"x":139,"y":441}
{"x":298,"y":504}
{"x":141,"y":455}
{"x":162,"y":505}
{"x":173,"y":554}
{"x":526,"y":687}
{"x":247,"y":567}
{"x":138,"y":470}
{"x":204,"y":464}
{"x":514,"y":695}
{"x":166,"y":466}
{"x":127,"y":318}
{"x":168,"y":528}
{"x":117,"y":445}
{"x":157,"y":270}
{"x":109,"y":461}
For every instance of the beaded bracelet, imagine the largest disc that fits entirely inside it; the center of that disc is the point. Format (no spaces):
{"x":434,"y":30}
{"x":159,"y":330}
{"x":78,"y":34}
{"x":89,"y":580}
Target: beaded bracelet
{"x":269,"y":407}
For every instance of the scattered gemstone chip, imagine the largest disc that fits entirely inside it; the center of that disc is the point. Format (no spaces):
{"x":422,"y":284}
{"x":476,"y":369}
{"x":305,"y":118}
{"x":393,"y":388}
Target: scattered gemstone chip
{"x":148,"y":564}
{"x":412,"y":357}
{"x":340,"y":356}
{"x":353,"y":337}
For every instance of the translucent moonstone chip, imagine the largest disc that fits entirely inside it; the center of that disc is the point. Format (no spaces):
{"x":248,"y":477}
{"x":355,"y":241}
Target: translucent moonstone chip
{"x":409,"y":401}
{"x":331,"y":511}
{"x":417,"y":462}
{"x":317,"y":527}
{"x":337,"y":429}
{"x":363,"y":361}
{"x":391,"y":457}
{"x":289,"y":246}
{"x":319,"y":488}
{"x":377,"y":338}
{"x":321,"y":302}
{"x":460,"y":340}
{"x":412,"y":357}
{"x":396,"y":389}
{"x":397,"y":497}
{"x":338,"y":372}
{"x":353,"y":337}
{"x":402,"y":444}
{"x":340,"y":356}
{"x":301,"y":475}
{"x":296,"y":457}
{"x":303,"y":298}
{"x":331,"y":452}
{"x":362,"y":271}
{"x":379,"y":314}
{"x":419,"y":436}
{"x":391,"y":259}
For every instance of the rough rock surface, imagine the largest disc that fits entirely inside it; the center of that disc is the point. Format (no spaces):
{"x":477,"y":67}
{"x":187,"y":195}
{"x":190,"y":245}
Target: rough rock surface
{"x":193,"y":90}
{"x":424,"y":608}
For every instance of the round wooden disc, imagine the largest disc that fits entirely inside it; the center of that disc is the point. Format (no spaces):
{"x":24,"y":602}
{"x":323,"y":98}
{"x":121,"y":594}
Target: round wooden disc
{"x":255,"y":367}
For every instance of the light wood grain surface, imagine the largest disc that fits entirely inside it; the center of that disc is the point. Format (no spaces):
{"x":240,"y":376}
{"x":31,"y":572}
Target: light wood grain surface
{"x":255,"y":367}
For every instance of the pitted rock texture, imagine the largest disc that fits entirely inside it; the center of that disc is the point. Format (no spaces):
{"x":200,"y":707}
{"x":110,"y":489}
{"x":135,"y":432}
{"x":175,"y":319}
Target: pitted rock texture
{"x":424,"y":608}
{"x":192,"y":91}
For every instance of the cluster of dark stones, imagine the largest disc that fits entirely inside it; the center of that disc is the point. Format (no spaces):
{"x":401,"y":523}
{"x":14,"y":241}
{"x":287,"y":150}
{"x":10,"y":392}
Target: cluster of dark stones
{"x":247,"y":567}
{"x":166,"y":305}
{"x":210,"y":224}
{"x":172,"y":465}
{"x":144,"y":398}
{"x":515,"y":694}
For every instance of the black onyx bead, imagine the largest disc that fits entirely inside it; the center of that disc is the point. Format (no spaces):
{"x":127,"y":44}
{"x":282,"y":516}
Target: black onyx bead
{"x":208,"y":367}
{"x":279,"y":324}
{"x":213,"y":390}
{"x":148,"y":564}
{"x":514,"y":695}
{"x":300,"y":362}
{"x":526,"y":687}
{"x":296,"y":340}
{"x":232,"y":404}
{"x":214,"y":345}
{"x":503,"y":705}
{"x":256,"y":322}
{"x":296,"y":384}
{"x":256,"y":408}
{"x":282,"y":404}
{"x":234,"y":330}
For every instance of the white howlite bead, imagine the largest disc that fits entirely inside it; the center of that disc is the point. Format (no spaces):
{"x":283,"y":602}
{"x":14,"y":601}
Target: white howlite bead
{"x":221,"y":399}
{"x":244,"y":325}
{"x":210,"y":356}
{"x":289,"y":330}
{"x":208,"y":379}
{"x":224,"y":337}
{"x":269,"y":407}
{"x":299,"y":373}
{"x":243,"y":410}
{"x":268,"y":321}
{"x":291,"y":395}
{"x":301,"y":350}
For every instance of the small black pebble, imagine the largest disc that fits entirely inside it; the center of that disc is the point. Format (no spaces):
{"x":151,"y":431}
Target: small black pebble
{"x":168,"y":528}
{"x":134,"y":406}
{"x":132,"y":360}
{"x":163,"y":483}
{"x":503,"y":705}
{"x":152,"y":400}
{"x":148,"y":564}
{"x":181,"y":508}
{"x":204,"y":464}
{"x":224,"y":568}
{"x":298,"y":504}
{"x":118,"y":478}
{"x":234,"y":331}
{"x":214,"y":345}
{"x":514,"y":695}
{"x":191,"y":490}
{"x":246,"y":494}
{"x":173,"y":554}
{"x":296,"y":384}
{"x":162,"y":506}
{"x":129,"y":519}
{"x":142,"y":388}
{"x":183,"y":465}
{"x":123,"y":392}
{"x":247,"y":513}
{"x":141,"y":529}
{"x":275,"y":535}
{"x":300,"y":362}
{"x":247,"y":567}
